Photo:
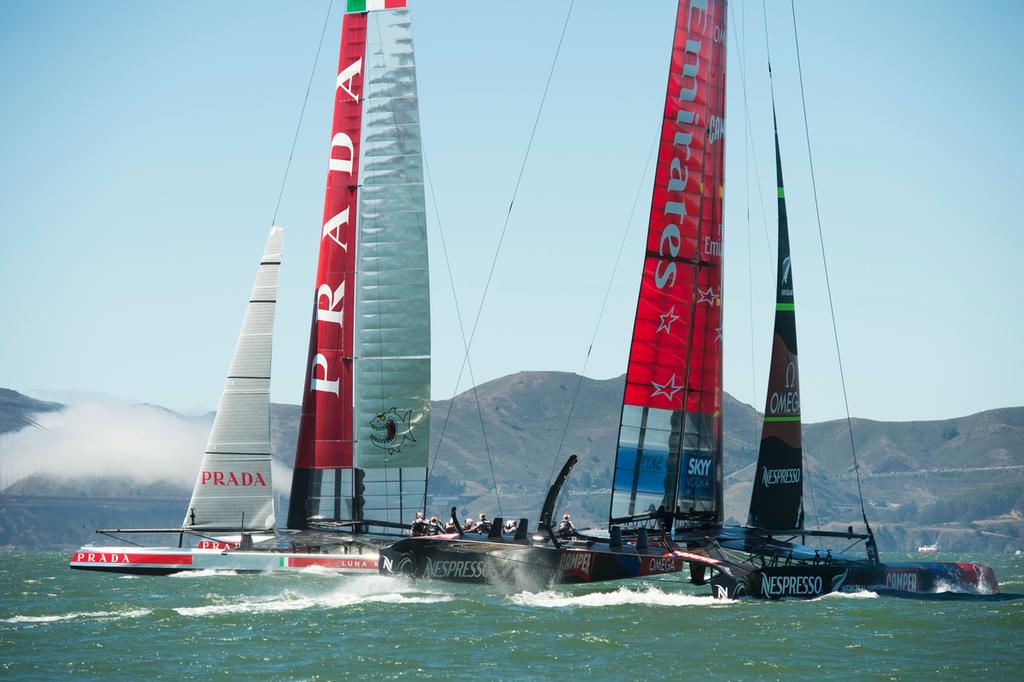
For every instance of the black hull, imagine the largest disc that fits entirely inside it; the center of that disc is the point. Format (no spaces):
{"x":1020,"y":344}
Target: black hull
{"x":524,"y":565}
{"x":774,"y":570}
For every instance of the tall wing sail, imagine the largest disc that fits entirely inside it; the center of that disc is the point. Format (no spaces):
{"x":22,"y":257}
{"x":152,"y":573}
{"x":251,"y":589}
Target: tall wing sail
{"x":669,"y":458}
{"x":232,"y":490}
{"x":392,"y":372}
{"x":777,"y":498}
{"x":363,"y":438}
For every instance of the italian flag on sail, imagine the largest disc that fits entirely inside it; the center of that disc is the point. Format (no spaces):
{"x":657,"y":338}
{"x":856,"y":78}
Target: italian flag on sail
{"x":371,"y":5}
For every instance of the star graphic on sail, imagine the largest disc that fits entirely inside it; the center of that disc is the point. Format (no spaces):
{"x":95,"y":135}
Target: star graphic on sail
{"x":707,"y":296}
{"x":667,"y":389}
{"x":666,"y":320}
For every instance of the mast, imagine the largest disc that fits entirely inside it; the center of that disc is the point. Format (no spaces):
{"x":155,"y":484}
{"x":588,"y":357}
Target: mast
{"x":668,"y":465}
{"x":776,"y":502}
{"x":233,"y":489}
{"x":364,"y":431}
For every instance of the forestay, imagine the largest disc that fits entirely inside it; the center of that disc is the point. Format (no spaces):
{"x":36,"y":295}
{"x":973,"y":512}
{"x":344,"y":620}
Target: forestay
{"x":364,"y":433}
{"x":233,"y":490}
{"x":669,"y":458}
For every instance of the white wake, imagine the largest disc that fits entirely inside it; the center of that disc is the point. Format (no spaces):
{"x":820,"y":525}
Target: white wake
{"x":361,"y":590}
{"x":203,"y":573}
{"x":859,"y":594}
{"x":101,"y":615}
{"x":620,"y":597}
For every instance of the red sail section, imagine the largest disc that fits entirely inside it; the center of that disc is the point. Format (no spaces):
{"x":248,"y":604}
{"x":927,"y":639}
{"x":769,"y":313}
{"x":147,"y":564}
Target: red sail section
{"x":325,"y":430}
{"x":669,"y":459}
{"x":676,"y":349}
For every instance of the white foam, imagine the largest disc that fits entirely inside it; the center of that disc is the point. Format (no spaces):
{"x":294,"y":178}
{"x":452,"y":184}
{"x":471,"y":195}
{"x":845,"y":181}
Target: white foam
{"x":859,"y":594}
{"x":319,"y":570}
{"x":106,"y":615}
{"x":620,"y":597}
{"x":359,"y":590}
{"x":203,"y":573}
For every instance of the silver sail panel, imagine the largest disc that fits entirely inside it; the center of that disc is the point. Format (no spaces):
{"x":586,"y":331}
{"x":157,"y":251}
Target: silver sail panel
{"x":233,"y":488}
{"x":392,"y":325}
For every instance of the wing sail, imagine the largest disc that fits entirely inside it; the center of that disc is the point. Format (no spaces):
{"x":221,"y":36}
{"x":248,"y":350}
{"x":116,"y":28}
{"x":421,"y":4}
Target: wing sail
{"x":363,"y":436}
{"x":777,"y":498}
{"x":669,"y":458}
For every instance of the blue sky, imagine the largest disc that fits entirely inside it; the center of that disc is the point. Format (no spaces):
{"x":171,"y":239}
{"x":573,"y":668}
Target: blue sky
{"x":143,"y":147}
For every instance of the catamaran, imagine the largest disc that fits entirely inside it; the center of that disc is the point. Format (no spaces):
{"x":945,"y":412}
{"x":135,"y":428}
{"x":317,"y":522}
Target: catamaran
{"x":667,"y":495}
{"x":361,"y":457}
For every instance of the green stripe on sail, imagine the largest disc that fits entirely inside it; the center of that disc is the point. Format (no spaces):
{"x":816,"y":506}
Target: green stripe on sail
{"x":782,"y":419}
{"x":356,"y":6}
{"x":782,"y":194}
{"x":785,"y":306}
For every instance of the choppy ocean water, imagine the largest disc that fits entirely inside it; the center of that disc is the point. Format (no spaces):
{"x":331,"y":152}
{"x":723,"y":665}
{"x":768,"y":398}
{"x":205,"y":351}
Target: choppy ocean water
{"x":58,"y":623}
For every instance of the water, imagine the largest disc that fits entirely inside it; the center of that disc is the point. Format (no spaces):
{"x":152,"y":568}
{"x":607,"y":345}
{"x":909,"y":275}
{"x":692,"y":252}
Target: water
{"x":316,"y":626}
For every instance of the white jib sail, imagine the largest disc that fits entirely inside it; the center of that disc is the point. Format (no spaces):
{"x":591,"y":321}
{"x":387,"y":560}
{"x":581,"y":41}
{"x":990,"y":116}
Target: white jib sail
{"x":233,"y":489}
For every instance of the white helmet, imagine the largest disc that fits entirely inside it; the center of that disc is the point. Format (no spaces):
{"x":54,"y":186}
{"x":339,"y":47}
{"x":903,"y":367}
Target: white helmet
{"x":469,"y":520}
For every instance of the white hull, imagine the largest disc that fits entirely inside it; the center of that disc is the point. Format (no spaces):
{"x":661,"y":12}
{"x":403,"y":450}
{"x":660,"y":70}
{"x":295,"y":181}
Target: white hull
{"x":166,"y":560}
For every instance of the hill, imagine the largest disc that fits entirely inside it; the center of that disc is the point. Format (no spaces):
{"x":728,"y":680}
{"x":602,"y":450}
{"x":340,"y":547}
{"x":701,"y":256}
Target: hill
{"x":958,"y":482}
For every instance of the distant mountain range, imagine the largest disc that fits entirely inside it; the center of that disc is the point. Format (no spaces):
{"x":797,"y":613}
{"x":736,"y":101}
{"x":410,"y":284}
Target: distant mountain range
{"x":956,"y":482}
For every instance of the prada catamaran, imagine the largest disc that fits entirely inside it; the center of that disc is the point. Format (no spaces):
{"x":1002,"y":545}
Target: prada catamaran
{"x":361,"y":458}
{"x":666,"y":508}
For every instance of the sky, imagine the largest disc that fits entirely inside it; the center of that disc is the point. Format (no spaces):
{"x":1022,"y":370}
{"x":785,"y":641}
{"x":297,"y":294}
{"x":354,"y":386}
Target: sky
{"x":143,"y":147}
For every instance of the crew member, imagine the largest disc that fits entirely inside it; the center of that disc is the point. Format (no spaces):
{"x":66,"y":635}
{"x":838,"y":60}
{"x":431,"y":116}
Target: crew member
{"x":510,"y":526}
{"x":419,"y":525}
{"x":470,"y":526}
{"x":484,"y":526}
{"x":565,"y":528}
{"x":435,"y":526}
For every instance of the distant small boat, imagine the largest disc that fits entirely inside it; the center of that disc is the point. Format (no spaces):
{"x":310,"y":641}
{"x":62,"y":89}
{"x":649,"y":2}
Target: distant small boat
{"x":927,"y":549}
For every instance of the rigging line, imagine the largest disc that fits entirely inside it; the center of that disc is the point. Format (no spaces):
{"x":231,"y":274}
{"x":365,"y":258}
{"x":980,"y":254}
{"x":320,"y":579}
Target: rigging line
{"x":749,"y":131}
{"x":824,"y":260}
{"x":771,"y":82}
{"x":750,"y":256}
{"x":604,"y":304}
{"x":508,"y":215}
{"x":462,"y":331}
{"x":302,"y":111}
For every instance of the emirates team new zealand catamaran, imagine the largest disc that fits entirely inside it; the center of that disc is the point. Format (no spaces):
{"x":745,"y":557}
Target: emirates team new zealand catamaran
{"x":667,"y":502}
{"x":360,"y":462}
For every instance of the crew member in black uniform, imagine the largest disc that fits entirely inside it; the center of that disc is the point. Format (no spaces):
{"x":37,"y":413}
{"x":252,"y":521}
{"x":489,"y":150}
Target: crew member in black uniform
{"x":565,"y":529}
{"x":483,"y":526}
{"x":419,"y":525}
{"x":435,"y":526}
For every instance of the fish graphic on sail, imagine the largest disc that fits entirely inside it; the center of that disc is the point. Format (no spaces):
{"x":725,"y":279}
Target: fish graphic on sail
{"x":776,"y":502}
{"x":232,"y":490}
{"x":363,"y":434}
{"x":668,"y":463}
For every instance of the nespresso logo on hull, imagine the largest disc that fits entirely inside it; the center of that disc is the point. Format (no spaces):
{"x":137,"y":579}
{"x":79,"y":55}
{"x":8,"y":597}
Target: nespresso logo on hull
{"x":792,"y":585}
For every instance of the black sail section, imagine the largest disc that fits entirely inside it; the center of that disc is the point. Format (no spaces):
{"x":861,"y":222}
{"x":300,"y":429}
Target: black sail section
{"x":777,"y":498}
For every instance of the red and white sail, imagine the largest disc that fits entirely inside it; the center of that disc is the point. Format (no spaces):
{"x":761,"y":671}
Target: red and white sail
{"x":669,"y":457}
{"x":363,"y":435}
